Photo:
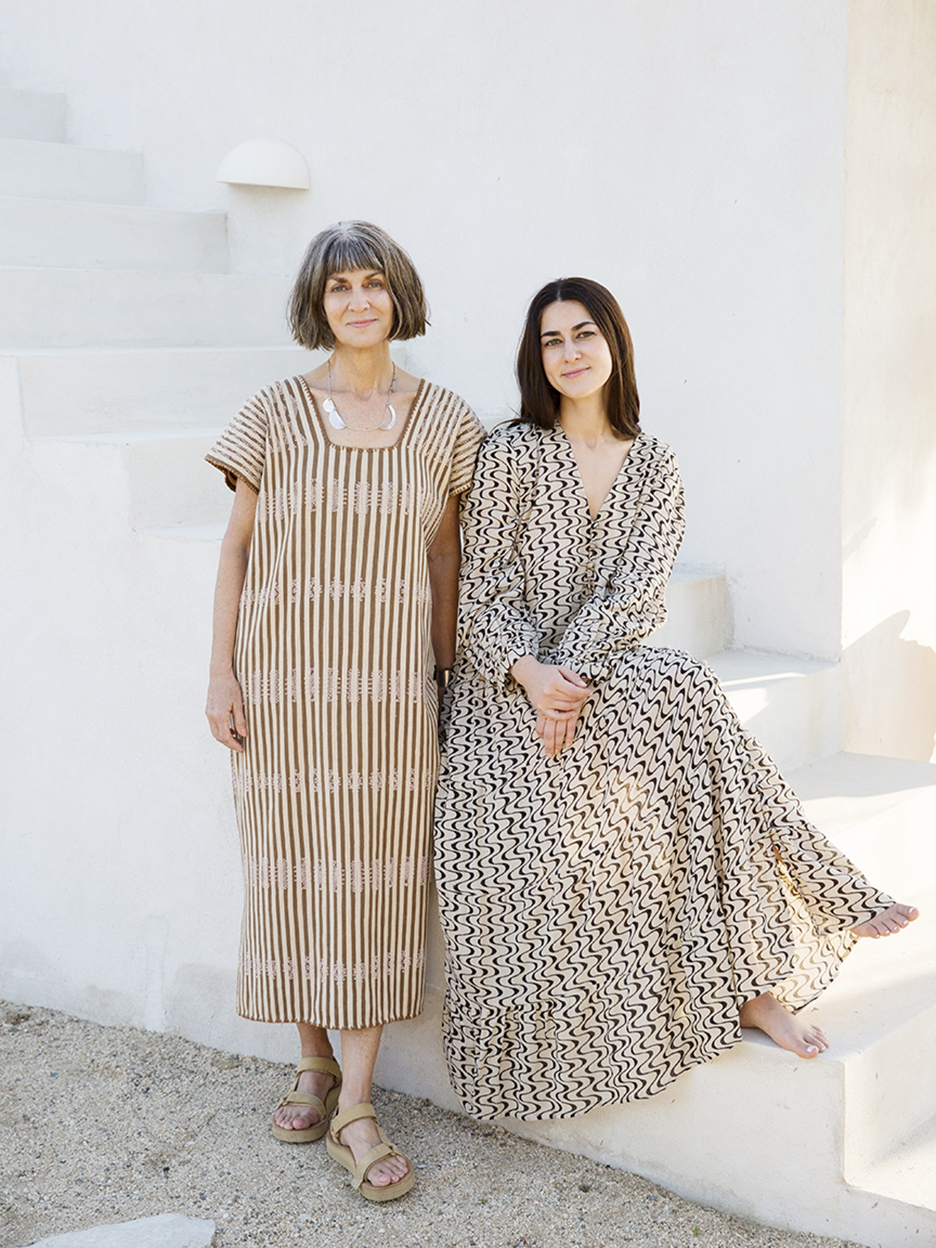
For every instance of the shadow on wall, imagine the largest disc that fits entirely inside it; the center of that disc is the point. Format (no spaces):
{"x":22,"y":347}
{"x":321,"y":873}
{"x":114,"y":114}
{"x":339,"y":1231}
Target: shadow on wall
{"x":890,"y":693}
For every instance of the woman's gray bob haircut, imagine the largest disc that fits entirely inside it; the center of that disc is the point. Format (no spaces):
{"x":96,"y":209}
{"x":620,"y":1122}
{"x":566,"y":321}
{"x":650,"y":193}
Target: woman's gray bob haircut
{"x":342,"y":248}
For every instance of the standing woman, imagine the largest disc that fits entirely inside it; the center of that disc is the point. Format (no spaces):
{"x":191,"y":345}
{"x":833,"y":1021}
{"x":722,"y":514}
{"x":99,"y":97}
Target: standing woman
{"x":336,"y":592}
{"x":624,"y":878}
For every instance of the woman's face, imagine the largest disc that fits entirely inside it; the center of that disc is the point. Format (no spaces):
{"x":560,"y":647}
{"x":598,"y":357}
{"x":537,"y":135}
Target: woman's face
{"x":577,"y":360}
{"x":358,"y":307}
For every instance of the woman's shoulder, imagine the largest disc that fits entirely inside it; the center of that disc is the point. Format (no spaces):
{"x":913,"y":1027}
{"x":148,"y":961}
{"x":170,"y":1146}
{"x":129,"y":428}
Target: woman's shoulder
{"x":655,"y":452}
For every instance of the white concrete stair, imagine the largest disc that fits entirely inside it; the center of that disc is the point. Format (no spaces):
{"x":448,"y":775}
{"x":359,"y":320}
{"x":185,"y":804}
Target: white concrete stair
{"x":37,"y":169}
{"x":108,"y":308}
{"x":844,"y":1145}
{"x":57,"y":233}
{"x":792,"y":705}
{"x":32,"y":115}
{"x":134,"y":391}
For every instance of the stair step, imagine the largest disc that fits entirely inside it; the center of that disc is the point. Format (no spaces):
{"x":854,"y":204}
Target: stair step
{"x":170,"y":483}
{"x":76,"y":392}
{"x":907,"y":1173}
{"x":74,"y":308}
{"x":42,"y":170}
{"x":792,"y":705}
{"x":32,"y":115}
{"x":698,"y":616}
{"x":759,"y":1132}
{"x":64,"y":234}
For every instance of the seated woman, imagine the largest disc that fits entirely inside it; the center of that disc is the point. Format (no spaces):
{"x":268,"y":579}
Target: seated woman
{"x":625,"y":880}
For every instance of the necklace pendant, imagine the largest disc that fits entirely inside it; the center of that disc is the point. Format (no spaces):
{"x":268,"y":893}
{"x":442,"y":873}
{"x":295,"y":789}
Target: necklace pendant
{"x":333,"y":417}
{"x":390,"y":419}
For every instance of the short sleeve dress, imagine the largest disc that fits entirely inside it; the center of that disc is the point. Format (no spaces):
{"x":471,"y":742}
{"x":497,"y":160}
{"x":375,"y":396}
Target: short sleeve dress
{"x":607,"y":913}
{"x":334,"y":789}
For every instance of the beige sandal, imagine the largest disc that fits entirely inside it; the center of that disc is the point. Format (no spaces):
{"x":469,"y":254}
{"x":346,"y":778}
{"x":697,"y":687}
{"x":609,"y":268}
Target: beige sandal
{"x":324,"y":1109}
{"x":338,"y":1152}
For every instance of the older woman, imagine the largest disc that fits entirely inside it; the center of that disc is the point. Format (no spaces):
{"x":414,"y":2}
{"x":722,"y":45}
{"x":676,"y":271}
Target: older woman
{"x":336,"y":591}
{"x":624,"y":878}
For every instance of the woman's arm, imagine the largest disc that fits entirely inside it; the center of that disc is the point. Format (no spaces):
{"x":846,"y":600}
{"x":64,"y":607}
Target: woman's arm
{"x":225,"y":702}
{"x":494,"y":624}
{"x":444,"y":562}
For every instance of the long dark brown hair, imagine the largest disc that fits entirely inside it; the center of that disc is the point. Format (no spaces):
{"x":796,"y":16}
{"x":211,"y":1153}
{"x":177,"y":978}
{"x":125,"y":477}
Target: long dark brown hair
{"x":539,"y":402}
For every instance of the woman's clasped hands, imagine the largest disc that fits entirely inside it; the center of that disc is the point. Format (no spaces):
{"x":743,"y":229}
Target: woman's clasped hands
{"x":557,"y":694}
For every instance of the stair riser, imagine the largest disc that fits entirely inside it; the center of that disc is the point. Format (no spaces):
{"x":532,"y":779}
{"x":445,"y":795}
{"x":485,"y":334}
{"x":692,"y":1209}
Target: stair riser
{"x":60,"y":234}
{"x":37,"y":170}
{"x":698,"y":616}
{"x":131,"y":391}
{"x":77,"y":308}
{"x":797,"y":719}
{"x":38,"y":115}
{"x":172,"y":484}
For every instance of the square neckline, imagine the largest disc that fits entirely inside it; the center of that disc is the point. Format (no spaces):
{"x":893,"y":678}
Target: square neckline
{"x":417,"y":401}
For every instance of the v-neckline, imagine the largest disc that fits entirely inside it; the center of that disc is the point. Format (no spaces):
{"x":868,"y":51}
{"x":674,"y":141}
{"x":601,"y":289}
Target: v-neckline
{"x":391,"y":446}
{"x":580,"y":482}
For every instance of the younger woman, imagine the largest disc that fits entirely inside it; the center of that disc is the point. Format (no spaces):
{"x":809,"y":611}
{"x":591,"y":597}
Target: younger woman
{"x":624,"y":878}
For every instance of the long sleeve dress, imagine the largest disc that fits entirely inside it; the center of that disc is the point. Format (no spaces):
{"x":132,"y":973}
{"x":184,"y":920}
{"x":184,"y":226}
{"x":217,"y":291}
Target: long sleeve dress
{"x":333,"y":792}
{"x":608,"y":912}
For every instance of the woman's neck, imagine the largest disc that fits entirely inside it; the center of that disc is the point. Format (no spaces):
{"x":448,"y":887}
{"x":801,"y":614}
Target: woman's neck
{"x":363,"y":371}
{"x":586,"y":420}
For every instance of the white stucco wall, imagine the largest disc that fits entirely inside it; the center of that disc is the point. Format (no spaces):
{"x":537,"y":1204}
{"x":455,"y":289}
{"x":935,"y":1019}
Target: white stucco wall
{"x":889,"y":462}
{"x":687,"y":154}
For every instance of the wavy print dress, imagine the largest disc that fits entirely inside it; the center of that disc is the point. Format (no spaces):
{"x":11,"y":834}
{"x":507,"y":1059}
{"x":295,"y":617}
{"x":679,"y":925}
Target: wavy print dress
{"x":607,"y":913}
{"x":334,"y":789}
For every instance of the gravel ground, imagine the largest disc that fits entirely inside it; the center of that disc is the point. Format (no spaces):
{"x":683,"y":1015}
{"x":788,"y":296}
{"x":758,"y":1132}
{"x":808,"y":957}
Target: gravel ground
{"x":106,"y":1124}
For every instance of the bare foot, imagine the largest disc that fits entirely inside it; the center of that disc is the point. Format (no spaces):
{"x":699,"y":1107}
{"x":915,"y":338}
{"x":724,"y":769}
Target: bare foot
{"x":893,"y":919}
{"x":361,"y":1135}
{"x":301,"y":1117}
{"x":797,"y":1035}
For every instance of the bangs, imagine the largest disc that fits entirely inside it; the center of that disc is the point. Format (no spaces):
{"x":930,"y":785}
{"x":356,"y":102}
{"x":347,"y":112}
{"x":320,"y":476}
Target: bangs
{"x":349,"y":251}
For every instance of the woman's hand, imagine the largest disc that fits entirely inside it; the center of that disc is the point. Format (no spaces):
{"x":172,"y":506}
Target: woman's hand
{"x":225,"y":704}
{"x":557,"y":694}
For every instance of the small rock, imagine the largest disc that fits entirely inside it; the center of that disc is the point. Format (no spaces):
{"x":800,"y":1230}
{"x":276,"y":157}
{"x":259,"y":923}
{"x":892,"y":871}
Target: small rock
{"x":169,"y":1230}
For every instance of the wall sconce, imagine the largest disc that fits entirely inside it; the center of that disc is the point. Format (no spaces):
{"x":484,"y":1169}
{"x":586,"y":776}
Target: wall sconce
{"x":265,"y":162}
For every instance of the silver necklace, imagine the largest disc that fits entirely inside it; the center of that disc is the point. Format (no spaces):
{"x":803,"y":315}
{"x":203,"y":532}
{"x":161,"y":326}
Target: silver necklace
{"x":387,"y":421}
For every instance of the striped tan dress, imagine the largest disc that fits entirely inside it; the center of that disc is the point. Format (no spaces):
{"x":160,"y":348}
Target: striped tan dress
{"x":335,"y":787}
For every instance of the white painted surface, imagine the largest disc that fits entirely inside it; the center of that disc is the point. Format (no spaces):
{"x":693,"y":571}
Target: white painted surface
{"x":57,"y":171}
{"x":99,"y":391}
{"x":689,"y":156}
{"x":32,"y":115}
{"x":117,"y":308}
{"x":65,"y":234}
{"x":889,"y":458}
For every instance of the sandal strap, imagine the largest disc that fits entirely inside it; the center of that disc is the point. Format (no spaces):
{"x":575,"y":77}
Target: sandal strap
{"x":352,"y":1114}
{"x":304,"y":1098}
{"x":370,"y":1158}
{"x":327,"y":1065}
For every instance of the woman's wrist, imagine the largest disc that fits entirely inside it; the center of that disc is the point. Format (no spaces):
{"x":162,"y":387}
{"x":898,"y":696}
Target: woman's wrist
{"x":524,"y":667}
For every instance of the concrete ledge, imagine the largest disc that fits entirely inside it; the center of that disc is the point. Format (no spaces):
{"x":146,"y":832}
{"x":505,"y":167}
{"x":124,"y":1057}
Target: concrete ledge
{"x":64,"y":234}
{"x":43,"y":170}
{"x":101,"y":391}
{"x":32,"y":115}
{"x":793,"y":706}
{"x":73,"y":308}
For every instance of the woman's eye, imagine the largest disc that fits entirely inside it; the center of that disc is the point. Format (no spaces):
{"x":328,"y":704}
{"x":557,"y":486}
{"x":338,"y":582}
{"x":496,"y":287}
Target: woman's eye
{"x":587,"y":333}
{"x":552,"y":342}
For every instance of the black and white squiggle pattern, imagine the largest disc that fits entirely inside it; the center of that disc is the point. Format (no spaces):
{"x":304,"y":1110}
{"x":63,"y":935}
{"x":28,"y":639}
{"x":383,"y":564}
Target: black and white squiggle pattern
{"x":607,"y":913}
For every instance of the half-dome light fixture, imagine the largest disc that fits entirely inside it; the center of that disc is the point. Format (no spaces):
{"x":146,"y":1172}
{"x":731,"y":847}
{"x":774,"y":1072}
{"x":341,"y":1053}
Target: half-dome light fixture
{"x":265,"y":162}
